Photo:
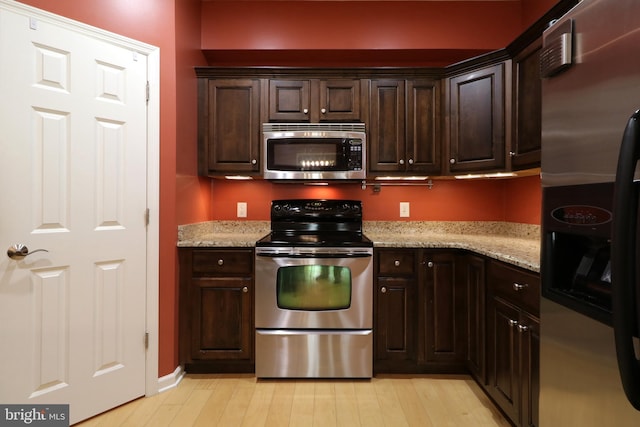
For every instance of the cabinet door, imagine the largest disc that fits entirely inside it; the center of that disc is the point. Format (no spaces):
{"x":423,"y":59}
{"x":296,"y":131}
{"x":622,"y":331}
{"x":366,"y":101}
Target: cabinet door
{"x":476,"y":120}
{"x":529,"y":331}
{"x":395,"y":319}
{"x":386,"y":127}
{"x":445,"y":310}
{"x":229,"y":126}
{"x":474,"y":280}
{"x":504,"y":366}
{"x":221,"y":315}
{"x":339,"y":100}
{"x":527,"y":111}
{"x":290,"y":100}
{"x":423,"y":127}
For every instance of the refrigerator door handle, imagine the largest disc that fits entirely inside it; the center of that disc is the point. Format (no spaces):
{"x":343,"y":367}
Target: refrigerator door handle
{"x":623,"y":260}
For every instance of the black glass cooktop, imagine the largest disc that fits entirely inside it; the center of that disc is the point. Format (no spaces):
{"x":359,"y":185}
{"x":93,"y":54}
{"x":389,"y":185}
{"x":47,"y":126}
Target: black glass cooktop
{"x":316,"y":222}
{"x":333,"y":239}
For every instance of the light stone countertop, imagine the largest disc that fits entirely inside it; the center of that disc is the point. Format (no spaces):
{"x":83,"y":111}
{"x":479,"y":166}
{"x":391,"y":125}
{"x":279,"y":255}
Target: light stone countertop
{"x":516,"y":244}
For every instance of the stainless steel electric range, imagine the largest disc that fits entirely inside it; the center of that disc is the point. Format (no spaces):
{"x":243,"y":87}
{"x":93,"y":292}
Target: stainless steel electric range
{"x":314,"y":292}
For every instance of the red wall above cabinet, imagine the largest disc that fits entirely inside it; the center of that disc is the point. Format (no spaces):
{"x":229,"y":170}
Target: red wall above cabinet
{"x":346,"y":33}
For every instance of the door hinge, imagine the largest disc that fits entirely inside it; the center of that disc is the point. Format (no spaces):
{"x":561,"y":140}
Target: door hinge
{"x":146,"y":217}
{"x":148,"y":91}
{"x":146,"y":340}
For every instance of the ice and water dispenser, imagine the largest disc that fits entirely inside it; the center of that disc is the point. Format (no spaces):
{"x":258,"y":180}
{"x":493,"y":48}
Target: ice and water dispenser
{"x":576,"y":248}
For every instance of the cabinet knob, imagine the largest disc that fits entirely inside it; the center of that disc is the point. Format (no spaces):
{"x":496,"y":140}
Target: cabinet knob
{"x":410,"y":161}
{"x":254,"y":161}
{"x":452,"y":161}
{"x":523,"y":328}
{"x":323,"y":111}
{"x":519,"y":286}
{"x":430,"y":264}
{"x":396,"y":263}
{"x":245,"y":289}
{"x":383,"y":290}
{"x":512,"y":153}
{"x":513,"y":323}
{"x":306,"y":111}
{"x":401,"y":161}
{"x":220,"y":262}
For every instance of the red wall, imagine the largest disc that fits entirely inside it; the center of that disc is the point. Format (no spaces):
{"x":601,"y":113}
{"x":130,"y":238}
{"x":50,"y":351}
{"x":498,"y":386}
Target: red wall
{"x":514,"y":200}
{"x":355,"y":32}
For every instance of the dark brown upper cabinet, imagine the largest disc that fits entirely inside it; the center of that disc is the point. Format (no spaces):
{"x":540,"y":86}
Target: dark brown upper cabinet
{"x":228,"y":126}
{"x":404,"y":127}
{"x":526,"y":119}
{"x":315,"y":100}
{"x":476,"y":120}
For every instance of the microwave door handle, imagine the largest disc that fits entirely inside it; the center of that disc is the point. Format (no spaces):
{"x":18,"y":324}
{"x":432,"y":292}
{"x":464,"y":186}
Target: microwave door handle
{"x":623,"y":258}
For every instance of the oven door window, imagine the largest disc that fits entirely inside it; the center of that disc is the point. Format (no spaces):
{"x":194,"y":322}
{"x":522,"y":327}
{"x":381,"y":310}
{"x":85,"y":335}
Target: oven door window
{"x":314,"y":287}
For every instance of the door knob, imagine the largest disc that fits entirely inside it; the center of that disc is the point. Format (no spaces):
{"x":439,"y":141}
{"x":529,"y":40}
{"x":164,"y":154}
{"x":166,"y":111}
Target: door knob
{"x":19,"y":251}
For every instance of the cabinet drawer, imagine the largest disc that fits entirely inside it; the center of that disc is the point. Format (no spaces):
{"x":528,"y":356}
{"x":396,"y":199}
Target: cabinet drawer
{"x":517,"y":286}
{"x":220,"y":262}
{"x":395,"y":262}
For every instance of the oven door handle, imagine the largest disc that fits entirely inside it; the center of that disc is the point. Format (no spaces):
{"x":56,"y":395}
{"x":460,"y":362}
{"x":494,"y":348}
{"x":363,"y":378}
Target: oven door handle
{"x":299,"y":255}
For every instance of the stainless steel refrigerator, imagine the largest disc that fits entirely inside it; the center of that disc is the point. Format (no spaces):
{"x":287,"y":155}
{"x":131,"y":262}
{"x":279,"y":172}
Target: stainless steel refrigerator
{"x":589,"y":368}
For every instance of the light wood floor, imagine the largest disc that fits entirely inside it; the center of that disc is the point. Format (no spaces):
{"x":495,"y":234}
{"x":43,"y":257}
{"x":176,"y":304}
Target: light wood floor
{"x":394,"y":401}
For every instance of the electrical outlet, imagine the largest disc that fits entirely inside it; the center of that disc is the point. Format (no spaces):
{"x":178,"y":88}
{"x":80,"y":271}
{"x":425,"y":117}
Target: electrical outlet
{"x":404,"y":209}
{"x":242,"y":210}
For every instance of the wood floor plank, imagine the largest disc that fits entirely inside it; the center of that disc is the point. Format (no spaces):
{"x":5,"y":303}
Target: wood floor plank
{"x":192,"y":407}
{"x":242,"y":400}
{"x":302,"y":405}
{"x":368,"y":406}
{"x":324,"y":404}
{"x":145,"y":410}
{"x":237,"y":406}
{"x":347,"y":414}
{"x":259,"y":405}
{"x":281,"y":403}
{"x":413,"y":409}
{"x":389,"y":402}
{"x":214,"y":407}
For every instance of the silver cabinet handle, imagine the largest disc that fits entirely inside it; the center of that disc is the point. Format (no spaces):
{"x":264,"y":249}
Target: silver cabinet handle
{"x":452,"y":161}
{"x":383,"y":290}
{"x":19,"y":251}
{"x":220,"y":262}
{"x":396,"y":263}
{"x":410,"y":161}
{"x":401,"y":161}
{"x":245,"y":289}
{"x":519,"y":286}
{"x":513,"y":323}
{"x":430,"y":264}
{"x":523,"y":328}
{"x":323,"y":111}
{"x":254,"y":161}
{"x":512,"y":153}
{"x":306,"y":111}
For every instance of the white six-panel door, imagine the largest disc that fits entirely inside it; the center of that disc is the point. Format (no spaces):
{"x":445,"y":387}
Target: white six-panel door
{"x":73,"y":181}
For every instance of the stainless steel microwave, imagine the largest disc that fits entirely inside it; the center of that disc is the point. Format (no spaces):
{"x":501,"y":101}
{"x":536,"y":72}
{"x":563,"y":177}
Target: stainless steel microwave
{"x":314,"y":151}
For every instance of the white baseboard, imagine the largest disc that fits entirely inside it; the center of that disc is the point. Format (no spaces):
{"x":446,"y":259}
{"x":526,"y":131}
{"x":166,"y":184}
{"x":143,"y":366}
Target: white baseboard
{"x":172,"y":380}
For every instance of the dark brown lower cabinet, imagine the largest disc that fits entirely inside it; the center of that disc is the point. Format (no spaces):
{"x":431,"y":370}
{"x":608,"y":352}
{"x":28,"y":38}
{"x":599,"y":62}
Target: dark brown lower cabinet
{"x":473,"y":275}
{"x":395,"y":310}
{"x":216,"y":310}
{"x":420,"y":312}
{"x":513,"y":342}
{"x":444,"y":308}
